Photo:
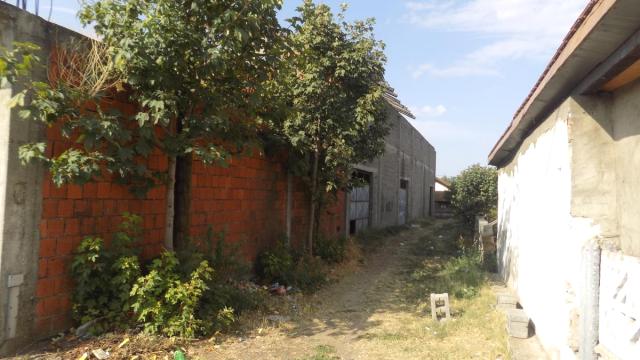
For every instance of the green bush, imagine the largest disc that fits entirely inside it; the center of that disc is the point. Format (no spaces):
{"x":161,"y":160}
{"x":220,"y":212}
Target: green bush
{"x":332,"y":251}
{"x":104,"y":277}
{"x":283,"y":265}
{"x":475,"y":191}
{"x":224,"y":258}
{"x":226,"y":298}
{"x":309,"y":273}
{"x":464,"y":274}
{"x":166,"y":303}
{"x":276,"y":264}
{"x":177,"y":295}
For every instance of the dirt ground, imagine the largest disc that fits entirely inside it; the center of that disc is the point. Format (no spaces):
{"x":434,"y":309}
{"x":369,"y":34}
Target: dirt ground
{"x":378,"y":309}
{"x":370,"y":314}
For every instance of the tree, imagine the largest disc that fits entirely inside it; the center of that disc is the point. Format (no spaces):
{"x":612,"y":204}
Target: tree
{"x":333,"y":80}
{"x":475,"y":192}
{"x":194,"y":68}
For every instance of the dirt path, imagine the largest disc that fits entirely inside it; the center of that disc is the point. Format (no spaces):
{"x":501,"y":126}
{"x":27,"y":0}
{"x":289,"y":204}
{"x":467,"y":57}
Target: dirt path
{"x":364,"y":316}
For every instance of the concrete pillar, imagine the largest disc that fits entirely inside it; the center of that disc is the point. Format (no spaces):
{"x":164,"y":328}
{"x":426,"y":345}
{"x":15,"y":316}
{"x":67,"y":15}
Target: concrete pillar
{"x":20,"y":196}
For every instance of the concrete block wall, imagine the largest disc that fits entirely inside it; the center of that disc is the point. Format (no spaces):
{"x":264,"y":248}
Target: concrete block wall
{"x":408,"y":156}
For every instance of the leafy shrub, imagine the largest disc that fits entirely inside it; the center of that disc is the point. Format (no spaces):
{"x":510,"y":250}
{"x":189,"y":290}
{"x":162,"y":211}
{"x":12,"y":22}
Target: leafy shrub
{"x":475,"y":191}
{"x":332,"y":251}
{"x":178,"y":296}
{"x":276,"y":264}
{"x":104,"y":277}
{"x":464,"y":274}
{"x":225,"y":258}
{"x":282,"y":264}
{"x":225,"y":299}
{"x":165,"y":303}
{"x":309,"y":273}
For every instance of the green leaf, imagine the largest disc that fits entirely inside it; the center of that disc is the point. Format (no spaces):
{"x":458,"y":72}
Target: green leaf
{"x":17,"y":100}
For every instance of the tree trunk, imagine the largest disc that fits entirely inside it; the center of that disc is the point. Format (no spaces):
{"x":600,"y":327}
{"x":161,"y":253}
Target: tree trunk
{"x":171,"y":184}
{"x":312,"y":212}
{"x":182,"y":201}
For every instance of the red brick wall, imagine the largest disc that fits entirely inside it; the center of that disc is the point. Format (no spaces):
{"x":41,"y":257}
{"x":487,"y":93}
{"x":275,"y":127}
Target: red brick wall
{"x":332,"y":220}
{"x":247,"y":200}
{"x":72,"y":212}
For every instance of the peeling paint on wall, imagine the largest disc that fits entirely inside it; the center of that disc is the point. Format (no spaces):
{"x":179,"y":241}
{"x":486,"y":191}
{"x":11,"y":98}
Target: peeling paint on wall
{"x":620,"y":304}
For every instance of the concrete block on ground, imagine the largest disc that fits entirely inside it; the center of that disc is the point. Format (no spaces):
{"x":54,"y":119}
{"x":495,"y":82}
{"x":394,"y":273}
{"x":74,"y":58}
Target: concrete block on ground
{"x":518,"y":330}
{"x":517,"y":315}
{"x":505,"y":299}
{"x":518,"y":323}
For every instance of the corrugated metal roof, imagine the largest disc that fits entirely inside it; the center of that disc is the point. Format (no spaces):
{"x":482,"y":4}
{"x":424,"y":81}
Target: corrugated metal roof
{"x":392,"y":99}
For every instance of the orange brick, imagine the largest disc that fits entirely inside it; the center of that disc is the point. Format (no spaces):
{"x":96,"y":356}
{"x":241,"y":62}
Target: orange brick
{"x":96,"y":207}
{"x":51,"y":306}
{"x":55,"y":227}
{"x":47,"y":247}
{"x":122,"y":206}
{"x":58,"y":192}
{"x":46,"y":188}
{"x":55,"y":267}
{"x":71,"y":227}
{"x":88,"y":226}
{"x":74,"y":191}
{"x":45,"y":287}
{"x":49,"y":208}
{"x":81,"y":207}
{"x":135,"y":207}
{"x":64,"y":246}
{"x":40,"y":309}
{"x":90,"y":190}
{"x":42,"y":268}
{"x":109,"y":207}
{"x":104,"y":190}
{"x":65,"y":208}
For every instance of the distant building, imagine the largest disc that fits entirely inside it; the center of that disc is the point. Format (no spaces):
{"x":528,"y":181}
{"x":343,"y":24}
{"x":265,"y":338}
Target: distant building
{"x":442,"y":199}
{"x":569,"y":191}
{"x":399,"y":185}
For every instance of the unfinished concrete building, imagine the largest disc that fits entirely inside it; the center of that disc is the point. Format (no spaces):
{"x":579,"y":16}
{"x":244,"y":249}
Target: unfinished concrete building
{"x":400,"y":183}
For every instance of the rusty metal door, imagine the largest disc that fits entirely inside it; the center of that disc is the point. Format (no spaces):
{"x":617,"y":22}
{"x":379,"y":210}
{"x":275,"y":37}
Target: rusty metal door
{"x":359,"y":209}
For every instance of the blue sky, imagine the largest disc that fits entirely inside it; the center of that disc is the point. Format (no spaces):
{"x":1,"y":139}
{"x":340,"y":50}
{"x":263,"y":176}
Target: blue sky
{"x":462,"y":66}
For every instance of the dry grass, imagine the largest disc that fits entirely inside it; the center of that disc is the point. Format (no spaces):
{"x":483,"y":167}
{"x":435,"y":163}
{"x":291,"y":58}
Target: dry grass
{"x":380,"y":311}
{"x":375,"y":307}
{"x":475,"y":332}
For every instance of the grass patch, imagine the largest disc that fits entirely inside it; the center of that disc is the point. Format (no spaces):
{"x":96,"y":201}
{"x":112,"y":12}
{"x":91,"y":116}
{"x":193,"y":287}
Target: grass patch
{"x":441,"y":262}
{"x":323,"y":352}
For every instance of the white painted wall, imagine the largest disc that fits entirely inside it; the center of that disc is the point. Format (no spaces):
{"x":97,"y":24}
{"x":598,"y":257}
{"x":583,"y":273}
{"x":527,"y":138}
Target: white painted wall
{"x":539,"y":243}
{"x":620,"y":305}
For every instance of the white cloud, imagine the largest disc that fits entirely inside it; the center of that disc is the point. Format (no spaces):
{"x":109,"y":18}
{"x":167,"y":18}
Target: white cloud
{"x":516,"y":29}
{"x":428,"y":111}
{"x":456,"y":70}
{"x":440,"y":131}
